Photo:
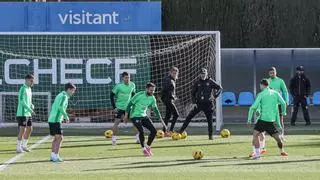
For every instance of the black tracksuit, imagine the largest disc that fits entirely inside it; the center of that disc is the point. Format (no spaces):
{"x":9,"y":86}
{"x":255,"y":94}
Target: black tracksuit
{"x":203,"y":94}
{"x":300,"y":88}
{"x":168,"y":96}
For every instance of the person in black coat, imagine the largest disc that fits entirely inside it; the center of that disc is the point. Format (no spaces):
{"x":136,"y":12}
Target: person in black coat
{"x":168,"y":97}
{"x":204,"y":91}
{"x":300,"y":88}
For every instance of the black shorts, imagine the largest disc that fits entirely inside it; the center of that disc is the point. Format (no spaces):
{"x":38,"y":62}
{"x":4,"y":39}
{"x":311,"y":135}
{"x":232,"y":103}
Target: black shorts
{"x":120,"y":114}
{"x":280,"y":110}
{"x":24,"y":121}
{"x":269,"y":127}
{"x":55,"y":129}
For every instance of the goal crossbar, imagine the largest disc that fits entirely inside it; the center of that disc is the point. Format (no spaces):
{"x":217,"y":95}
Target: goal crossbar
{"x":217,"y":63}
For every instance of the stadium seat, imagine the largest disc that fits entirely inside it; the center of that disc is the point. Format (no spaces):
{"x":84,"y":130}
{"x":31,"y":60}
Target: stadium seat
{"x":245,"y":99}
{"x":228,"y":99}
{"x":308,"y":101}
{"x":316,"y":98}
{"x":291,"y":100}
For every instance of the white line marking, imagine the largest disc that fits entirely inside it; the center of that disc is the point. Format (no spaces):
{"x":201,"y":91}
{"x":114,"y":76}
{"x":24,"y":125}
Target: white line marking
{"x":15,"y":158}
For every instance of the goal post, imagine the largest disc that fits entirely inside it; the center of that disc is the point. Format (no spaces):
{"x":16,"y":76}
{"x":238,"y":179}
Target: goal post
{"x":8,"y":107}
{"x":95,"y":60}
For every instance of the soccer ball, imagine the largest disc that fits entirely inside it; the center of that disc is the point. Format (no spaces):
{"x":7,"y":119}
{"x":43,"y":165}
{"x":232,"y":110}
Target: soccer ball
{"x":184,"y":135}
{"x":225,"y":133}
{"x":108,"y":134}
{"x":176,"y":136}
{"x":160,"y":134}
{"x":197,"y":155}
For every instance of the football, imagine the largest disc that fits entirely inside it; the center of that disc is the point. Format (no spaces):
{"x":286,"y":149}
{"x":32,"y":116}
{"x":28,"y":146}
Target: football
{"x":108,"y":134}
{"x":197,"y":155}
{"x":225,"y":133}
{"x":176,"y":136}
{"x":160,"y":134}
{"x":184,"y":135}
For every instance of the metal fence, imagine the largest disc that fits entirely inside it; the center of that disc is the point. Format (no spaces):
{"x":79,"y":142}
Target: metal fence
{"x":242,"y":70}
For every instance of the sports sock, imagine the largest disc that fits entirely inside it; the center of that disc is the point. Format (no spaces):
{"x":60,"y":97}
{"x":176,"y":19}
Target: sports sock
{"x":257,"y":152}
{"x":262,"y":144}
{"x":24,"y":142}
{"x":19,"y":143}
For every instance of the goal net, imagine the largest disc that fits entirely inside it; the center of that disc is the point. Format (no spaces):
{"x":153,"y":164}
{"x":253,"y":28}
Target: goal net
{"x":94,"y":62}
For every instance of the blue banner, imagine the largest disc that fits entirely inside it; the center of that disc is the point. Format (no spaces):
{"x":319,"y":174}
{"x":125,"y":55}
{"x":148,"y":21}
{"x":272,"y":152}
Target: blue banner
{"x":108,"y":16}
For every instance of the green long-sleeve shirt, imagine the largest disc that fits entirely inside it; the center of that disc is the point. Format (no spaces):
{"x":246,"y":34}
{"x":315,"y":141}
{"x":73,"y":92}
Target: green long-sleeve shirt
{"x":25,"y":106}
{"x":267,"y":102}
{"x":123,"y":94}
{"x":140,"y":103}
{"x":59,"y":108}
{"x":278,"y":85}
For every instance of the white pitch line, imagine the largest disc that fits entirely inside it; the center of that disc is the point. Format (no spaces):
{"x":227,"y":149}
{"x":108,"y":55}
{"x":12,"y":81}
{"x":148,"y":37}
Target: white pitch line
{"x":15,"y":158}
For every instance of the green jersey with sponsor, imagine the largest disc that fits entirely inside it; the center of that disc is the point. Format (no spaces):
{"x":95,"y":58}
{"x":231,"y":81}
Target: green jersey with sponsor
{"x":123,"y":94}
{"x":278,"y":85}
{"x":267,"y":102}
{"x":59,"y":108}
{"x":25,"y":106}
{"x":140,"y":103}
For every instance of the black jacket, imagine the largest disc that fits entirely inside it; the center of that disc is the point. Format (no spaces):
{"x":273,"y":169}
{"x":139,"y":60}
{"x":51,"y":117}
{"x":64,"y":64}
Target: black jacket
{"x":205,"y":91}
{"x":168,"y":91}
{"x":300,"y":85}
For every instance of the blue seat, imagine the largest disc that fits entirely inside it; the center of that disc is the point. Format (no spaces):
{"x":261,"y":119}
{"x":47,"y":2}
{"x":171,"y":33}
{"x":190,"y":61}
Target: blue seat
{"x":316,"y":98}
{"x":291,"y":99}
{"x":228,"y":99}
{"x":245,"y":99}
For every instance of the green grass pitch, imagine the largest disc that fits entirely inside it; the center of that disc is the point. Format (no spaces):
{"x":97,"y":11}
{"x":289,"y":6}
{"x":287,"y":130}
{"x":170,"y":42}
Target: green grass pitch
{"x":91,"y":156}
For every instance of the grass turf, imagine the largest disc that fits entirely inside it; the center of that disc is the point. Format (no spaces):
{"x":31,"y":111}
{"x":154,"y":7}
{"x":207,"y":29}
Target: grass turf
{"x":93,"y":157}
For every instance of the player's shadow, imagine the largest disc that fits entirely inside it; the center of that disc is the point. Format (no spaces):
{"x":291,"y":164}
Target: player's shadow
{"x":67,"y":142}
{"x":148,"y":166}
{"x":107,"y":144}
{"x":315,"y":145}
{"x":78,"y":141}
{"x":185,"y":160}
{"x":5,"y":151}
{"x":161,"y":164}
{"x":258,"y":162}
{"x":9,"y":152}
{"x":75,"y":159}
{"x":178,"y":146}
{"x":91,"y":140}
